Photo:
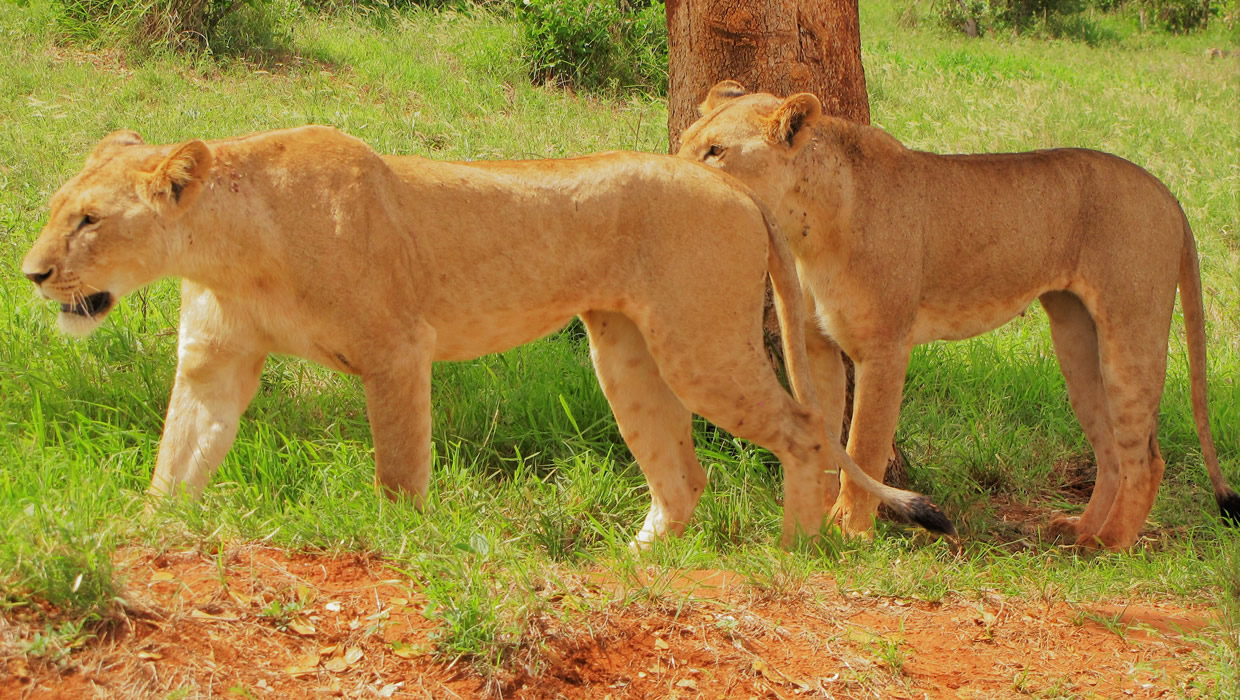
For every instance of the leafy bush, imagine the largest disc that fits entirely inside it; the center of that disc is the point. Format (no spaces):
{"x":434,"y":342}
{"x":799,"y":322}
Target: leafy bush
{"x":217,"y":26}
{"x":1004,"y":14}
{"x":595,"y":44}
{"x":1066,"y":17}
{"x":968,"y":16}
{"x":1181,"y":16}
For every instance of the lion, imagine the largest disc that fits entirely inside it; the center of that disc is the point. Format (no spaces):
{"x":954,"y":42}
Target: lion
{"x":306,"y":242}
{"x":897,"y":247}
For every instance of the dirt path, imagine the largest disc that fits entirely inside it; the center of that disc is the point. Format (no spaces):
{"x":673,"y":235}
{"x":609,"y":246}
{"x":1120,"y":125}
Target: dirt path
{"x":276,"y":625}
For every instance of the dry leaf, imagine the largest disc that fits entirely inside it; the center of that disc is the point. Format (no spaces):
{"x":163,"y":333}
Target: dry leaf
{"x":240,"y":598}
{"x":302,"y":626}
{"x":389,"y":690}
{"x":399,"y":601}
{"x":151,"y":655}
{"x":304,"y":593}
{"x":687,"y":683}
{"x":163,"y":576}
{"x":409,"y":651}
{"x":760,"y":667}
{"x":214,"y":617}
{"x":336,"y":664}
{"x":328,"y":651}
{"x":333,"y":606}
{"x":660,"y":644}
{"x":303,"y":665}
{"x":353,"y":655}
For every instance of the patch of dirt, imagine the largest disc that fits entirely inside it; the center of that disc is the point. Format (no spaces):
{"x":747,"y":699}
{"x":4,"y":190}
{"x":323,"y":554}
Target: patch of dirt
{"x":265,"y":623}
{"x":1076,"y":476}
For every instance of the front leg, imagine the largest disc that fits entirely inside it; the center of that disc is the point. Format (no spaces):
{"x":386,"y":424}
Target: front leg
{"x":398,"y":403}
{"x":876,"y":411}
{"x":218,"y":367}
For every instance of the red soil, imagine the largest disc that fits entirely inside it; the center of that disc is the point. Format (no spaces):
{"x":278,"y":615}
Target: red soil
{"x":190,"y":624}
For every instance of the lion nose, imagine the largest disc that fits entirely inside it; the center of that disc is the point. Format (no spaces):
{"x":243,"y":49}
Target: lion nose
{"x":40,"y":277}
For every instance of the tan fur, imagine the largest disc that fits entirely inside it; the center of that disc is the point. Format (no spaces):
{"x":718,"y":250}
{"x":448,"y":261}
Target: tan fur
{"x":898,"y":247}
{"x":306,"y":242}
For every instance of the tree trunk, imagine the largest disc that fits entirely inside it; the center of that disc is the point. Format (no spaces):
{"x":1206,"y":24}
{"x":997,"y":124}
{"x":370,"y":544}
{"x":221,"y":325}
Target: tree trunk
{"x":777,"y":46}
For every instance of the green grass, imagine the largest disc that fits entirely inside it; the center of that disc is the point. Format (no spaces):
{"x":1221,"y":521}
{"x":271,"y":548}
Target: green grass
{"x":531,"y":477}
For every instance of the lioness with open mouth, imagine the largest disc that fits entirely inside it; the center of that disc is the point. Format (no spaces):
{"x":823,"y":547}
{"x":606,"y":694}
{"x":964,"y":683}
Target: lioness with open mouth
{"x":306,"y":242}
{"x":898,"y":247}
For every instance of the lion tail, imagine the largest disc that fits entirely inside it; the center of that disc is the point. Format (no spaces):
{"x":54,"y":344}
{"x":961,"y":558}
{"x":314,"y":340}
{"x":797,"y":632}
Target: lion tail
{"x":912,"y":507}
{"x":789,"y":309}
{"x":1195,"y":337}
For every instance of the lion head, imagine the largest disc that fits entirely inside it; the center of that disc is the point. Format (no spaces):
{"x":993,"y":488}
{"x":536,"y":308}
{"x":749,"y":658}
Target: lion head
{"x":110,"y":230}
{"x":752,"y":136}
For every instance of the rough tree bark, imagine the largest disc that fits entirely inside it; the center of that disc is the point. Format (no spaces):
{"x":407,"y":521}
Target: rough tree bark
{"x":777,"y":46}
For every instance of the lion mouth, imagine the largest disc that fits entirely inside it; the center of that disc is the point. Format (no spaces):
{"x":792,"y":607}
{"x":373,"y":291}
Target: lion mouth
{"x":91,"y":306}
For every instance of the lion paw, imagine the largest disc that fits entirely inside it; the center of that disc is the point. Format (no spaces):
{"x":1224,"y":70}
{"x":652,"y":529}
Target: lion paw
{"x":1064,"y":529}
{"x":1091,"y":542}
{"x":853,"y":525}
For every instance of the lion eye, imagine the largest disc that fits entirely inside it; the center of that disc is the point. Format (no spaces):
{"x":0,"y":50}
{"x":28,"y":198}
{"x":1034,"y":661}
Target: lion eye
{"x":715,"y":151}
{"x":87,"y":220}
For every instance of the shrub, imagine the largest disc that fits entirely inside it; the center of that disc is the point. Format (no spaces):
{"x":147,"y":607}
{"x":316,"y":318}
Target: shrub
{"x":1005,"y":14}
{"x":217,"y":26}
{"x":1066,"y":17}
{"x":595,"y":44}
{"x":1181,"y":16}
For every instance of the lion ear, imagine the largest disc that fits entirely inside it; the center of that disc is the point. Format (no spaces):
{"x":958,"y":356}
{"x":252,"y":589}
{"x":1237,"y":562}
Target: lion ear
{"x":123,"y":137}
{"x":177,"y":181}
{"x":722,"y":92}
{"x":787,"y":125}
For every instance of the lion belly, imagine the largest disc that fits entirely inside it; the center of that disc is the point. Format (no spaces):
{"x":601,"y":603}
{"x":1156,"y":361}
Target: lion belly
{"x":960,"y":321}
{"x":476,"y":337}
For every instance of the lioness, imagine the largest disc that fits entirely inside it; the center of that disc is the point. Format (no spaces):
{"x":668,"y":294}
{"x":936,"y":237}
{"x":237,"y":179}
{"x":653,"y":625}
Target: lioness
{"x":898,"y":247}
{"x":307,"y":242}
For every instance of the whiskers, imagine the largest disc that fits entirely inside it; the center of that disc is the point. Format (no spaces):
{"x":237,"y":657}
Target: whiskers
{"x":79,"y":297}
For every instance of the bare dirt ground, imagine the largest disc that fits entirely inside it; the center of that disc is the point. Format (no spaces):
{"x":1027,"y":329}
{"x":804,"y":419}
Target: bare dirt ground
{"x":269,"y":623}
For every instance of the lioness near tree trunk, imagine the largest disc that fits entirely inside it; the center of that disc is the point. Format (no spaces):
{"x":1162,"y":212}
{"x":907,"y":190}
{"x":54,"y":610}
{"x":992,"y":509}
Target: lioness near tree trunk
{"x":898,"y":247}
{"x":306,"y":242}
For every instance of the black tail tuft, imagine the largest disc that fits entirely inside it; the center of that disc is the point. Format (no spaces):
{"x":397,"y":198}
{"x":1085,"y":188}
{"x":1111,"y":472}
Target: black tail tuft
{"x":924,"y":513}
{"x":1229,"y":506}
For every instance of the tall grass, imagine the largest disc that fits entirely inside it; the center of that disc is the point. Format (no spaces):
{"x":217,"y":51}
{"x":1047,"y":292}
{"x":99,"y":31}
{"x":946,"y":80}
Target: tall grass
{"x":531,"y":478}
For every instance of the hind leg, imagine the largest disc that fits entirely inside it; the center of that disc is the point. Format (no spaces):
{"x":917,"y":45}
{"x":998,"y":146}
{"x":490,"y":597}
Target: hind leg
{"x":1133,"y":351}
{"x":1133,"y":392}
{"x":826,"y":366}
{"x":1076,"y":345}
{"x":656,"y":426}
{"x":728,"y":381}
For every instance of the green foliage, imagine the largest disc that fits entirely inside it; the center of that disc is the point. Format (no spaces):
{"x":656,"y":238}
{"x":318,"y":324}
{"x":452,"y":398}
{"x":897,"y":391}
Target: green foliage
{"x":607,"y":45}
{"x":1017,"y":15}
{"x":1181,"y":16}
{"x":1076,"y":18}
{"x":962,"y":15}
{"x":145,"y":26}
